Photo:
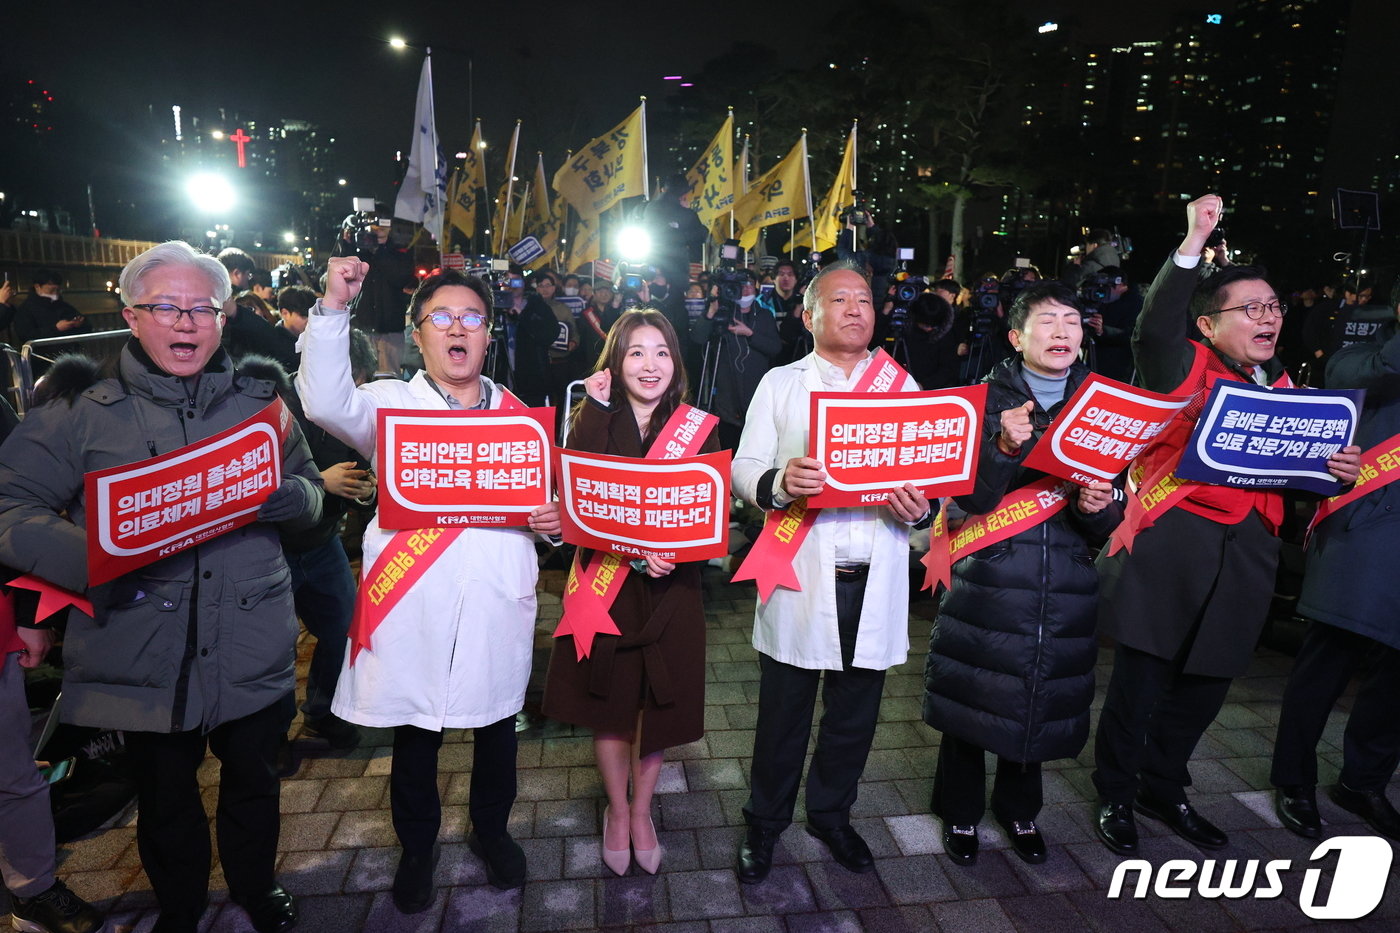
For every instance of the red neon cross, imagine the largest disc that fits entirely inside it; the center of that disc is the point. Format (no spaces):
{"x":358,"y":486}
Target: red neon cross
{"x":239,"y":137}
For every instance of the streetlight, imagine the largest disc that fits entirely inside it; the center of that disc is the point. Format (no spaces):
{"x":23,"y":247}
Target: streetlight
{"x":211,"y":194}
{"x":397,"y":42}
{"x":289,"y":237}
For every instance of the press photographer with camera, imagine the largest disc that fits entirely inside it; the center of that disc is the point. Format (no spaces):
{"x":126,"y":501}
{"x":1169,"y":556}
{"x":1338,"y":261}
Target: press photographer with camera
{"x":931,"y":342}
{"x":381,"y":309}
{"x":1113,"y":307}
{"x":984,"y":327}
{"x":1101,"y":249}
{"x":741,"y":342}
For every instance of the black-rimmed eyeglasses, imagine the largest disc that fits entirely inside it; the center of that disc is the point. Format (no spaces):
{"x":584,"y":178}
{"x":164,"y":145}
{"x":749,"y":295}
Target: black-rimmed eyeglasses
{"x":1255,"y":310}
{"x":167,"y":315}
{"x":442,"y":320}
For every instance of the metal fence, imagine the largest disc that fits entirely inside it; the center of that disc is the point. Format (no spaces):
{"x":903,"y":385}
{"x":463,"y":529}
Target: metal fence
{"x":26,"y":365}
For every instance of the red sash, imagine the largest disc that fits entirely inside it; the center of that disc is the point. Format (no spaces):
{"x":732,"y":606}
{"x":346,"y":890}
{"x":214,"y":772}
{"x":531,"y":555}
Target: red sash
{"x":1018,"y":510}
{"x":1150,"y":496}
{"x":769,"y":563}
{"x":591,"y":591}
{"x":1380,"y":466}
{"x":401,"y":564}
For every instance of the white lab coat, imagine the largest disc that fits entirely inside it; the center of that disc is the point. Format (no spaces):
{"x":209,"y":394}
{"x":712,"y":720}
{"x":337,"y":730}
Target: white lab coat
{"x":455,"y":651}
{"x":799,"y":627}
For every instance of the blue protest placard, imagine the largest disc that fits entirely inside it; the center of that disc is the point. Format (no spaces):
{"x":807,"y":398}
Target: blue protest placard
{"x":526,"y":251}
{"x":1252,"y":437}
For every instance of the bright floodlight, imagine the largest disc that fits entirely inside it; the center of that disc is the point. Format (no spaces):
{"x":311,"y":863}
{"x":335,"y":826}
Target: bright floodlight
{"x":398,"y":42}
{"x":211,"y":194}
{"x":289,"y":237}
{"x":633,"y":243}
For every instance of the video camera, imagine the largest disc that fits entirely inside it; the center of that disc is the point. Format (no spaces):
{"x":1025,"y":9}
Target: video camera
{"x":730,"y":278}
{"x":359,"y":226}
{"x":906,"y":289}
{"x":858,"y":214}
{"x":291,"y":274}
{"x":502,"y":284}
{"x":1096,"y":289}
{"x":628,"y":280}
{"x":985,"y":299}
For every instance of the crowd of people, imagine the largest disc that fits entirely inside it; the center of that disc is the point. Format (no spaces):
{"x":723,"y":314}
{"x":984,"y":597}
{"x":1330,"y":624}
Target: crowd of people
{"x":194,"y":653}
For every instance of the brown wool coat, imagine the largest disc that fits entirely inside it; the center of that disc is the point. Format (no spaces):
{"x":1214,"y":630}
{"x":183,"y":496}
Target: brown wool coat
{"x":657,"y":665}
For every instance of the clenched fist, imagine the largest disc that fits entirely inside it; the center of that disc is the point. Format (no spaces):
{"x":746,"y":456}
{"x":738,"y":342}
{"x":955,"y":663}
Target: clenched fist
{"x":1016,"y":428}
{"x":344,"y":277}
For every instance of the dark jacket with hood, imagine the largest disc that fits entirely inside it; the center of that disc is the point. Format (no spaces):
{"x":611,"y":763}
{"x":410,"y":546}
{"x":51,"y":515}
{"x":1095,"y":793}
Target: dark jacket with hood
{"x":1011,"y":656}
{"x":200,"y":638}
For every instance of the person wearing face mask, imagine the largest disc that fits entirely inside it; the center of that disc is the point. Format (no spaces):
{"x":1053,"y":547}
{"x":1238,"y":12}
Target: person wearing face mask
{"x":45,"y":314}
{"x":1011,"y":657}
{"x":742,"y":344}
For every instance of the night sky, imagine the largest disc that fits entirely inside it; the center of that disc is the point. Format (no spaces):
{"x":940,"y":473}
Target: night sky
{"x":569,"y":70}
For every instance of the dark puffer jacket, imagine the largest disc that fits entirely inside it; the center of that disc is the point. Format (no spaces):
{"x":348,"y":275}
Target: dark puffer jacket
{"x":1011,"y":656}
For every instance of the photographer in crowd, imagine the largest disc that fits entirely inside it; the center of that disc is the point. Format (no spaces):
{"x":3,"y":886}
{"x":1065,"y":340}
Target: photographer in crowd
{"x":784,"y":301}
{"x":741,"y":341}
{"x":383,"y":301}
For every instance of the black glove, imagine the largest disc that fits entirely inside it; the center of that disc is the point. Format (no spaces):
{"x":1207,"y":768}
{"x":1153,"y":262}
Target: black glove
{"x":288,"y":501}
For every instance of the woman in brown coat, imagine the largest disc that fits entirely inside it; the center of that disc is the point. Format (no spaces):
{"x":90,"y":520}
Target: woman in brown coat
{"x":642,"y":691}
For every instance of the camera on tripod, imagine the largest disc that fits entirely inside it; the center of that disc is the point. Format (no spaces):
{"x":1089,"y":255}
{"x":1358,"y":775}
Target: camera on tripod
{"x":1096,"y":289}
{"x":907,"y":288}
{"x":858,"y":214}
{"x":730,"y":279}
{"x":985,"y":299}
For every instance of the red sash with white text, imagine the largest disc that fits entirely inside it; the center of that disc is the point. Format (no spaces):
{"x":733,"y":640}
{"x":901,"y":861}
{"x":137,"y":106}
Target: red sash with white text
{"x":1017,"y":511}
{"x":401,"y":564}
{"x":591,"y":591}
{"x":769,"y":563}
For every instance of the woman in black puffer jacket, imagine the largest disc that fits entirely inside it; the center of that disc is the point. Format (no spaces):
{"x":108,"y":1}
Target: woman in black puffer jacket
{"x":1011,"y":656}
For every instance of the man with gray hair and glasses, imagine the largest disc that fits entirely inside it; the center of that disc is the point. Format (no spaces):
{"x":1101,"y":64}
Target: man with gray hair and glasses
{"x":195,"y":650}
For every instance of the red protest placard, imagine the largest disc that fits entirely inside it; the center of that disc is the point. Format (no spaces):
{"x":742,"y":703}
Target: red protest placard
{"x":674,"y":509}
{"x":869,"y":443}
{"x":144,"y":511}
{"x":1102,"y":429}
{"x":443,"y":468}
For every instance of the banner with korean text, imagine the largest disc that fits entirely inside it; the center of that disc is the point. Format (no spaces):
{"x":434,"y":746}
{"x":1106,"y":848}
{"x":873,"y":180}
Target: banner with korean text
{"x":1252,"y":437}
{"x":871,"y":442}
{"x":446,"y":468}
{"x":674,"y":509}
{"x":712,"y":177}
{"x":1103,"y":428}
{"x":145,"y":511}
{"x":608,"y":169}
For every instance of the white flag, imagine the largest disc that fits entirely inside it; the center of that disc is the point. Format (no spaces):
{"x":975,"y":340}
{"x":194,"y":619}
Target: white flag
{"x":424,"y":188}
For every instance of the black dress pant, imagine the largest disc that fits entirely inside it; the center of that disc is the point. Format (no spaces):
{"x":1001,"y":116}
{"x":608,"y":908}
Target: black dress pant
{"x":172,"y":833}
{"x":1327,"y":660}
{"x":960,"y":786}
{"x":414,"y":801}
{"x":787,"y":698}
{"x":1153,"y":716}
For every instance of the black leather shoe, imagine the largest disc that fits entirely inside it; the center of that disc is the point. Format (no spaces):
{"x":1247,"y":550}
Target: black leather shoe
{"x":57,"y":910}
{"x":413,"y":881}
{"x":756,"y":854}
{"x":336,"y":731}
{"x":1025,"y":839}
{"x":272,"y":911}
{"x":1371,"y":805}
{"x":1182,"y":819}
{"x":505,"y":860}
{"x":849,"y":850}
{"x":1116,"y":827}
{"x":960,"y":843}
{"x":1296,"y":807}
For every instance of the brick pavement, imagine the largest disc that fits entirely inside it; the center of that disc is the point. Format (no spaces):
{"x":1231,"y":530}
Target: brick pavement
{"x":338,"y":851}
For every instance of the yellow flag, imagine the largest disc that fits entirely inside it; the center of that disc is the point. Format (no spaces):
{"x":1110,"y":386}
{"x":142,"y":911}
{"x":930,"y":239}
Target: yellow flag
{"x":841,"y":195}
{"x":712,"y":177}
{"x":587,"y":242}
{"x":608,"y":169}
{"x":501,"y":219}
{"x":539,"y":221}
{"x":783,"y":193}
{"x":463,"y":192}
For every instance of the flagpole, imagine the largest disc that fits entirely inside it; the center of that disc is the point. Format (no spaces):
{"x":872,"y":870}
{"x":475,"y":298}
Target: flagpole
{"x":510,"y":187}
{"x":646,"y":166}
{"x":807,"y":184}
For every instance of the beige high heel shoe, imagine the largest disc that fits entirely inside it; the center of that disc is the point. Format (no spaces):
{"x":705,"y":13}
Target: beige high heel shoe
{"x":616,"y":859}
{"x":649,"y":859}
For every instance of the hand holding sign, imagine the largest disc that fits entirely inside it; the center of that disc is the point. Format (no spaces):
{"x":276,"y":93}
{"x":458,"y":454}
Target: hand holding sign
{"x":342,"y":479}
{"x":1345,"y":464}
{"x":545,"y":520}
{"x":1095,"y":497}
{"x":658,"y":566}
{"x":1016,"y":428}
{"x":803,"y":476}
{"x":907,"y":504}
{"x":344,"y":277}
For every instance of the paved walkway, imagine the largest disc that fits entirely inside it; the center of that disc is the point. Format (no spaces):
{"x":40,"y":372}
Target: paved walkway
{"x":339,"y":853}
